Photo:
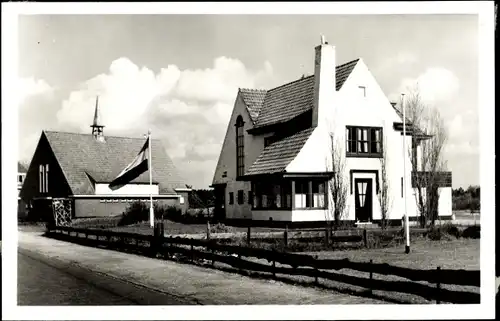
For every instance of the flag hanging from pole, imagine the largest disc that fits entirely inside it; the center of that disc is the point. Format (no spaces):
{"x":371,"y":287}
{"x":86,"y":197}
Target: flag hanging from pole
{"x":138,"y":166}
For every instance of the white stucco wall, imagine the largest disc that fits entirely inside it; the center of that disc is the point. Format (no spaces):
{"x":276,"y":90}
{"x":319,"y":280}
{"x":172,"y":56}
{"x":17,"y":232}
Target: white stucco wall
{"x":129,"y":189}
{"x":310,"y":215}
{"x":235,"y":210}
{"x":445,"y":205}
{"x":263,"y":215}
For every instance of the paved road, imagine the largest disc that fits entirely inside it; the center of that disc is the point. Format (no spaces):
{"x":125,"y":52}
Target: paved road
{"x":149,"y":281}
{"x":43,"y":282}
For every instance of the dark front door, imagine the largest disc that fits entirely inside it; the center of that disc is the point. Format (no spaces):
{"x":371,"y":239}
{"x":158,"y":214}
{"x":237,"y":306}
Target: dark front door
{"x":42,"y":211}
{"x":363,"y":199}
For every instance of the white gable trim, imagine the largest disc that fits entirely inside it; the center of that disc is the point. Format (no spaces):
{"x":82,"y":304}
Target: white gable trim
{"x":128,"y":189}
{"x":183,"y":189}
{"x":126,"y":196}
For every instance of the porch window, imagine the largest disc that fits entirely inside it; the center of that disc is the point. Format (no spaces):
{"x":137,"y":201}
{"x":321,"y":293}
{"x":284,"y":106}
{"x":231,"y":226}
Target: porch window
{"x":301,"y":199}
{"x":318,"y":193}
{"x":364,"y":141}
{"x":272,"y":196}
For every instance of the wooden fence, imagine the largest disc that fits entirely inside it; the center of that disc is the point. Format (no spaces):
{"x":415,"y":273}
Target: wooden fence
{"x":290,"y":263}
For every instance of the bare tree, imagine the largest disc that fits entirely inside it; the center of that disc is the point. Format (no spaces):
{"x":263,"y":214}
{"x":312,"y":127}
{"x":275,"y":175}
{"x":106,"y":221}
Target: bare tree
{"x":25,"y":163}
{"x":429,"y":134}
{"x":338,"y":184}
{"x":384,"y":195}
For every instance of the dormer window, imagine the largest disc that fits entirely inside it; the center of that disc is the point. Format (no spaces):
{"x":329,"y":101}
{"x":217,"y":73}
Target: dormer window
{"x":240,"y":148}
{"x":269,"y":140}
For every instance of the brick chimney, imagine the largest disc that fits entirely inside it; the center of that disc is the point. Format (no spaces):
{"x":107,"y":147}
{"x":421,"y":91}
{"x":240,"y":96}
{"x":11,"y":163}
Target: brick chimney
{"x":324,"y":82}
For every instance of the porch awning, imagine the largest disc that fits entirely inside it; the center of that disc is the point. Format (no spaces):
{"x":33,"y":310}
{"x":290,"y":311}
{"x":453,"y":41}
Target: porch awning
{"x":283,"y":174}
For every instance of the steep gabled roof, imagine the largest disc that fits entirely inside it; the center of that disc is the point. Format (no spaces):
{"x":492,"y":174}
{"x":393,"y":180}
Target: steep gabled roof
{"x":287,"y":101}
{"x":276,"y":157}
{"x":253,"y":98}
{"x":83,"y":159}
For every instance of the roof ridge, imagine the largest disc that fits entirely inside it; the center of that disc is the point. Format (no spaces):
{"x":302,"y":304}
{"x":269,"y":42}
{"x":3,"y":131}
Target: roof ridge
{"x":302,"y":78}
{"x":82,"y":134}
{"x":291,"y":82}
{"x":346,"y":63}
{"x":252,"y":89}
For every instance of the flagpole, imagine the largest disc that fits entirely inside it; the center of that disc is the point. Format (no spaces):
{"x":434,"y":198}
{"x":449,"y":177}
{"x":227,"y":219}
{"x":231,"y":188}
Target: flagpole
{"x":405,"y":154}
{"x":150,"y":166}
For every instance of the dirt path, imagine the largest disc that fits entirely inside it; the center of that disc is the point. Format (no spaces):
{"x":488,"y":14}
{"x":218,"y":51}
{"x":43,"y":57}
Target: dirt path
{"x":206,"y":286}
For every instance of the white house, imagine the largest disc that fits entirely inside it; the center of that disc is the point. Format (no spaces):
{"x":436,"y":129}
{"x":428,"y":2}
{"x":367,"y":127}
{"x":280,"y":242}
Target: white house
{"x":275,"y":162}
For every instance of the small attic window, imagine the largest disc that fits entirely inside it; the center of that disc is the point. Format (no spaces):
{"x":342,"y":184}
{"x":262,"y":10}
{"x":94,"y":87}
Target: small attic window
{"x":362,"y":91}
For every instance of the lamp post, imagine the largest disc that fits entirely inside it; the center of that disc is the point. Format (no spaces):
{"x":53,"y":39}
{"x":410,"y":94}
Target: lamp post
{"x":405,"y":154}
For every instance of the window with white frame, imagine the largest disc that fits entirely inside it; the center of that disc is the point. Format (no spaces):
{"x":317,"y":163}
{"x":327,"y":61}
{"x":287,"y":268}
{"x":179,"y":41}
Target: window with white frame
{"x":318,"y":194}
{"x":364,"y":141}
{"x":301,"y":199}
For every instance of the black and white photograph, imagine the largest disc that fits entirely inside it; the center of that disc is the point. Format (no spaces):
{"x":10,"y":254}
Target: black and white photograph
{"x":248,"y":161}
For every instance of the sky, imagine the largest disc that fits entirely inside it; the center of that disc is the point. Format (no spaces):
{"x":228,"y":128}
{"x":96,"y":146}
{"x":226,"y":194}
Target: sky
{"x":178,"y":75}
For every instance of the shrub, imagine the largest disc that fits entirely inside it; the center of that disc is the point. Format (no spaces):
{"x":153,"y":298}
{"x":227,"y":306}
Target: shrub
{"x":451,"y":229}
{"x":135,"y":213}
{"x":473,"y":232}
{"x":97,"y":222}
{"x":221,"y":228}
{"x":168,"y":212}
{"x":436,"y":234}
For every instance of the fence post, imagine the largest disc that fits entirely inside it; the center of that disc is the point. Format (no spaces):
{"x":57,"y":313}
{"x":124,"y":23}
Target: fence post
{"x":438,"y":285}
{"x":327,"y":236}
{"x":274,"y":264}
{"x":285,"y":236}
{"x":371,"y":276}
{"x":248,"y":235}
{"x":365,"y":238}
{"x":316,"y":272}
{"x":208,"y":230}
{"x":213,"y":256}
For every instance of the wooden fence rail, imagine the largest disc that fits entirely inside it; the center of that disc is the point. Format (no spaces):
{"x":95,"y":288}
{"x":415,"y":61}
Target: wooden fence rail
{"x":299,"y":264}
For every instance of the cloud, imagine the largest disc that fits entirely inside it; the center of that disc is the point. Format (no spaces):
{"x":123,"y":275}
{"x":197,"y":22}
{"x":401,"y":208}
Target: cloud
{"x":406,"y":58}
{"x":30,"y":86}
{"x":400,"y":62}
{"x":435,"y":85}
{"x":187,"y":109}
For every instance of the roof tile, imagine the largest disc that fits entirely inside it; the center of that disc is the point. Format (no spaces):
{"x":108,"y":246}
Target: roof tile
{"x":285,"y":102}
{"x":276,"y":157}
{"x":80,"y":155}
{"x":254,"y":99}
